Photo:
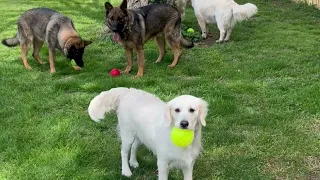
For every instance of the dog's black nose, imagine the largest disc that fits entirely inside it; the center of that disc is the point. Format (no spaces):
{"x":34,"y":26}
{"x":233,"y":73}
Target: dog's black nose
{"x":184,"y":124}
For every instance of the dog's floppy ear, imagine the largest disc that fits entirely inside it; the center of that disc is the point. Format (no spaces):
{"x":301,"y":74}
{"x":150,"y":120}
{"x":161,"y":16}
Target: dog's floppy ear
{"x":168,"y":115}
{"x":87,"y":43}
{"x":123,"y":5}
{"x":203,"y":111}
{"x":108,"y":7}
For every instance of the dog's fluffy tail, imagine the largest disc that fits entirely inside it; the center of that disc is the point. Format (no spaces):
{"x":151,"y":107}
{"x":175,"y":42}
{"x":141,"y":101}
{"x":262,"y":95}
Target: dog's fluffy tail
{"x":243,"y":12}
{"x":183,"y":42}
{"x":186,"y":43}
{"x":10,"y":42}
{"x":105,"y":102}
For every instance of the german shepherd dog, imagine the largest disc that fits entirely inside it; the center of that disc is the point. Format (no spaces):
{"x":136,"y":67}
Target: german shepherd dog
{"x":42,"y":24}
{"x":133,"y":27}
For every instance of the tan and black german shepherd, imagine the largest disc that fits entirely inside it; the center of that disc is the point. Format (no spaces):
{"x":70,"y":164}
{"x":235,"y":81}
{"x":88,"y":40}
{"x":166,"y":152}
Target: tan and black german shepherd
{"x":133,"y":27}
{"x":42,"y":24}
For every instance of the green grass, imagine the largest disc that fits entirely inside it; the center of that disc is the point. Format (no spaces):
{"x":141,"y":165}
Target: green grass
{"x":263,"y":89}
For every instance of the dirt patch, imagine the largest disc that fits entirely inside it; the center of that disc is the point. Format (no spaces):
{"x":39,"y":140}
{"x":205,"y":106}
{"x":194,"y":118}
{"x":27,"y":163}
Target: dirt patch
{"x":313,"y":163}
{"x":276,"y":3}
{"x":206,"y":42}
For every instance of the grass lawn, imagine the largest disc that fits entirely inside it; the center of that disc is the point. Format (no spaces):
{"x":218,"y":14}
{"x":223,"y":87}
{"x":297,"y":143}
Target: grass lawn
{"x":263,"y":89}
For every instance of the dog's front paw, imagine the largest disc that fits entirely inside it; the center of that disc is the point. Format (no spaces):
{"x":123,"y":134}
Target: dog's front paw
{"x":204,"y":35}
{"x":157,"y":61}
{"x":138,"y":76}
{"x":219,"y":41}
{"x":140,"y":73}
{"x":126,"y":71}
{"x":134,"y":164}
{"x":77,"y":68}
{"x":126,"y":173}
{"x":171,"y":65}
{"x":27,"y":67}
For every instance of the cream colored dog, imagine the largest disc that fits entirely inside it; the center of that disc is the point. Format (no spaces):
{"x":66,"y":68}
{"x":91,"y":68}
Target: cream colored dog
{"x":144,"y":118}
{"x":226,"y":13}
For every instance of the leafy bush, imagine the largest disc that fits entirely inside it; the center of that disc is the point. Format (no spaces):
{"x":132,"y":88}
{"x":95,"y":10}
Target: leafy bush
{"x":194,"y":36}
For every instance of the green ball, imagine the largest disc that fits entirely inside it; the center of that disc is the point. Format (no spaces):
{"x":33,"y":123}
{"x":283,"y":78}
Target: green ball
{"x":190,"y":30}
{"x":73,"y":63}
{"x":181,"y":137}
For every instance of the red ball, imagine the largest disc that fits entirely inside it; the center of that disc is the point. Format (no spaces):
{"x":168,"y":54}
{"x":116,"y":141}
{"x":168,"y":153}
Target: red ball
{"x":115,"y":72}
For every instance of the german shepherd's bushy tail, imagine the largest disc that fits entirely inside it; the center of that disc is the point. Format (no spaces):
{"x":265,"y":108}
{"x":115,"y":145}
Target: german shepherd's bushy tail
{"x":11,"y":42}
{"x":186,"y":43}
{"x":183,"y":42}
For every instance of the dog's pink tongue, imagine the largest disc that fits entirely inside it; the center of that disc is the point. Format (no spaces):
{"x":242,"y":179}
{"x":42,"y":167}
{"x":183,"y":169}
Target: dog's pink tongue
{"x":116,"y":37}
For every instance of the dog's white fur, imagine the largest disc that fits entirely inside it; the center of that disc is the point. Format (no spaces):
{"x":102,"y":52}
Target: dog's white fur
{"x":181,"y":5}
{"x":144,"y":118}
{"x":226,"y":13}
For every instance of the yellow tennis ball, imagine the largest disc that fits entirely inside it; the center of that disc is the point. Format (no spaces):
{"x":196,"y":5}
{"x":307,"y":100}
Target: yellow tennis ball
{"x":190,"y":30}
{"x":181,"y":137}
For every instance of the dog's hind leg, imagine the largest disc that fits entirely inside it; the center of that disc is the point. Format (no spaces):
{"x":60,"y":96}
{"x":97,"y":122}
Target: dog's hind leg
{"x":228,"y":34}
{"x":126,"y":143}
{"x":24,"y":52}
{"x":133,"y":156}
{"x":37,"y":44}
{"x":173,"y":37}
{"x":176,"y":54}
{"x":230,"y":23}
{"x":161,"y":45}
{"x":222,"y":31}
{"x":223,"y":18}
{"x":26,"y":38}
{"x":175,"y":46}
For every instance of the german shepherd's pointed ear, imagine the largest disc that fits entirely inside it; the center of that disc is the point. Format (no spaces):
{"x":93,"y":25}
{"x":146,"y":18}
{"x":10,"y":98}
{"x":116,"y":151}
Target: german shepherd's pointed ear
{"x":108,"y":7}
{"x":86,"y":43}
{"x":123,"y":5}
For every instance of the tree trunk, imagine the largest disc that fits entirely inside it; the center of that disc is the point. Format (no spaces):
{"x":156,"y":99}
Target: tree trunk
{"x":171,"y":2}
{"x":132,"y":4}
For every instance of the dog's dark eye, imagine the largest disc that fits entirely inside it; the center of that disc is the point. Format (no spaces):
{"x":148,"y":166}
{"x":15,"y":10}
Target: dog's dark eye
{"x":191,"y":110}
{"x":177,"y":110}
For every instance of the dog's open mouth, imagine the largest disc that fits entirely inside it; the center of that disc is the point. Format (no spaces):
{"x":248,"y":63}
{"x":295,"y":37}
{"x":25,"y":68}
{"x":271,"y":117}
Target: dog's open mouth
{"x":116,"y":37}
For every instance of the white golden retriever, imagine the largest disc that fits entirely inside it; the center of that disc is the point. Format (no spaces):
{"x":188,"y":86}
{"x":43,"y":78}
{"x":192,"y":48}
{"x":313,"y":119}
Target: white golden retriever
{"x":226,"y":13}
{"x":144,"y":118}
